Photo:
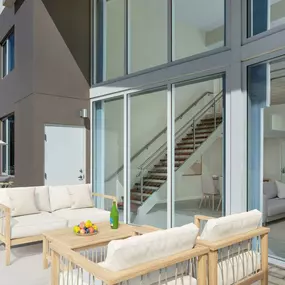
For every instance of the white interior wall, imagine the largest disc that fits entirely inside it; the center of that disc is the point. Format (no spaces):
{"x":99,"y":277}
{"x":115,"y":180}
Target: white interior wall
{"x":272,"y":158}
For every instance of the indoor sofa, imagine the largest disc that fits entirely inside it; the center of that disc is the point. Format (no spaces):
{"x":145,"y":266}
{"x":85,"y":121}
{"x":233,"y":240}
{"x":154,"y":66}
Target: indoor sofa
{"x":27,"y":212}
{"x":273,"y":201}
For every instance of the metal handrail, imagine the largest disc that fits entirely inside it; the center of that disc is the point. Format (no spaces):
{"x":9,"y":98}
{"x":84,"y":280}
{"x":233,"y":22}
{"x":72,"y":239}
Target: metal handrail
{"x":179,"y":117}
{"x":182,"y":130}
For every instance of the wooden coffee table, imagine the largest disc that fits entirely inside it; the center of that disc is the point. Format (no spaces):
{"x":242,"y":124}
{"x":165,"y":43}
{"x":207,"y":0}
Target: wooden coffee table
{"x":67,"y":237}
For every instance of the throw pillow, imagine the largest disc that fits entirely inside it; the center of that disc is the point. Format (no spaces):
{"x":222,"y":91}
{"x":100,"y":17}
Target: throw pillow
{"x":22,"y":201}
{"x":59,"y":198}
{"x":80,"y":196}
{"x":42,"y":198}
{"x":280,"y":189}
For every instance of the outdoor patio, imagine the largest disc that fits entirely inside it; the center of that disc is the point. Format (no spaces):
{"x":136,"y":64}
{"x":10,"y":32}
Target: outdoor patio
{"x":26,"y":268}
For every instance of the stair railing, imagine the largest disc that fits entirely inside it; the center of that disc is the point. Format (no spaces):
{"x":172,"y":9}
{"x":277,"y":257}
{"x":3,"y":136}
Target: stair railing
{"x":145,"y":147}
{"x":143,"y":168}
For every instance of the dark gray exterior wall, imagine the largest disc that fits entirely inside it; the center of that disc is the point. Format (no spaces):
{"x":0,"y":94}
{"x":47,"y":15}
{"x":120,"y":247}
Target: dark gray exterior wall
{"x":48,"y":84}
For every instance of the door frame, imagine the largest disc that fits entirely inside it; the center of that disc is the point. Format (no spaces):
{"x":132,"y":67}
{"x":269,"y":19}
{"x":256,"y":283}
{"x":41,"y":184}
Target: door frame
{"x":84,"y":147}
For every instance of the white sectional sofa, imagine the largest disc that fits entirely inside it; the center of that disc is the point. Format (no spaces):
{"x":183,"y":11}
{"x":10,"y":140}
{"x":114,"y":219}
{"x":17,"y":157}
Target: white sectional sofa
{"x":27,"y":212}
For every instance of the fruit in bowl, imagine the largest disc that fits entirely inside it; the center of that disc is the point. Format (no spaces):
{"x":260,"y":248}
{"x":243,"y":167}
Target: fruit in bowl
{"x":85,"y":228}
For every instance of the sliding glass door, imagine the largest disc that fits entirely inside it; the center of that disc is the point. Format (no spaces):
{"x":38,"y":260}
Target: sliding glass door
{"x":108,"y":151}
{"x":160,"y":152}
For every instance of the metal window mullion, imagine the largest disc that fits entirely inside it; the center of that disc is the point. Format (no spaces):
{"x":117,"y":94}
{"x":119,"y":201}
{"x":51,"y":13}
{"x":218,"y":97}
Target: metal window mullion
{"x":127,"y":161}
{"x":104,"y":39}
{"x":170,"y":43}
{"x":170,"y":156}
{"x":7,"y":146}
{"x":93,"y":43}
{"x":127,"y":36}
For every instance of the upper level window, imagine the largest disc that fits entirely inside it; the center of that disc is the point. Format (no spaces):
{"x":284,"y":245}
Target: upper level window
{"x":8,"y":54}
{"x":8,"y":150}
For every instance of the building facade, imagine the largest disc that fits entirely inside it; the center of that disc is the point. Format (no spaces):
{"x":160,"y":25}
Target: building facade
{"x":187,"y":94}
{"x":44,"y":84}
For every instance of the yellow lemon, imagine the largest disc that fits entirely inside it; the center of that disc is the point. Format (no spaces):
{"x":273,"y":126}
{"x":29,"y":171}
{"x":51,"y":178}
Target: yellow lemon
{"x":76,"y":229}
{"x":95,"y":227}
{"x":88,"y":224}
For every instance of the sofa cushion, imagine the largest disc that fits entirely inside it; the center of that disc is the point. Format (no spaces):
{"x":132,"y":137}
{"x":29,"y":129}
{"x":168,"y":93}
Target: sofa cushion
{"x":221,"y":228}
{"x":270,"y":189}
{"x":280,"y":189}
{"x":30,"y":225}
{"x":80,"y":196}
{"x":59,"y":197}
{"x":23,"y":201}
{"x":4,"y":198}
{"x":42,"y":198}
{"x":133,"y":251}
{"x":275,"y":207}
{"x":75,"y":216}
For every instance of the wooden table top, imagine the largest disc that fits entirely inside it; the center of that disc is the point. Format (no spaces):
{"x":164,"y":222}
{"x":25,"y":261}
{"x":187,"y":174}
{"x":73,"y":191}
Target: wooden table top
{"x":104,"y":236}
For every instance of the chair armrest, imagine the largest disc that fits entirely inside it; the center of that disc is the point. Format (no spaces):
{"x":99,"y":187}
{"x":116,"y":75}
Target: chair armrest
{"x":5,"y":229}
{"x":113,"y":198}
{"x":141,"y":230}
{"x":199,"y":218}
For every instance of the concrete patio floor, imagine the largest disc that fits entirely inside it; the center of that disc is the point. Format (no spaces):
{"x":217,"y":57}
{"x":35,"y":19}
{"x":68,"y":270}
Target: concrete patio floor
{"x":26,"y":268}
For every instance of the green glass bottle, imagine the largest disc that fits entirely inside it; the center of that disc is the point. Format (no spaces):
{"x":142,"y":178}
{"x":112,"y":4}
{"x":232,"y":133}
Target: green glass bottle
{"x":114,"y":216}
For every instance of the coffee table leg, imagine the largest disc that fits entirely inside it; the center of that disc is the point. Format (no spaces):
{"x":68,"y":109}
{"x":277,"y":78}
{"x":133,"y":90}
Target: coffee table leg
{"x":45,"y":252}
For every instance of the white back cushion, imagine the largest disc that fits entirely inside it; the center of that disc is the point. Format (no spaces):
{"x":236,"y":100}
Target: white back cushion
{"x":80,"y":196}
{"x":224,"y":227}
{"x":22,"y":201}
{"x":123,"y":254}
{"x":280,"y":189}
{"x":4,"y":198}
{"x":59,"y":197}
{"x":42,"y":198}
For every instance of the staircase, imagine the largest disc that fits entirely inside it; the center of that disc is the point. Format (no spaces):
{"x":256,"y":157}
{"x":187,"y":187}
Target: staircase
{"x":187,"y":145}
{"x":196,"y":131}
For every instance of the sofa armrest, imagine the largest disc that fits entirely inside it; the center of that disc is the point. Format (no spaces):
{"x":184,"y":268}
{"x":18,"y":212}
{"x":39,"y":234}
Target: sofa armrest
{"x":265,"y":208}
{"x":109,"y":197}
{"x":5,"y":226}
{"x":199,"y":218}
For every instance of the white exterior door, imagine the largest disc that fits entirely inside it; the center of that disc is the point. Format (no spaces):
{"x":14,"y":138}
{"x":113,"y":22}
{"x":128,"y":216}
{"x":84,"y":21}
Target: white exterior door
{"x":64,"y":155}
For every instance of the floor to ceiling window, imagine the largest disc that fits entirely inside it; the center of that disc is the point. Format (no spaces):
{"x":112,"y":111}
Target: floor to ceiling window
{"x":108,"y":150}
{"x":138,"y":35}
{"x":198,"y":149}
{"x":196,"y":88}
{"x":266,"y":143}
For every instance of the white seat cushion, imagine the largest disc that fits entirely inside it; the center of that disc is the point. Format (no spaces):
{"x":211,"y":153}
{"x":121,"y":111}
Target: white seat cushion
{"x":83,"y":279}
{"x":133,"y":251}
{"x":238,"y":267}
{"x":75,"y":216}
{"x":31,"y":225}
{"x":224,"y":227}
